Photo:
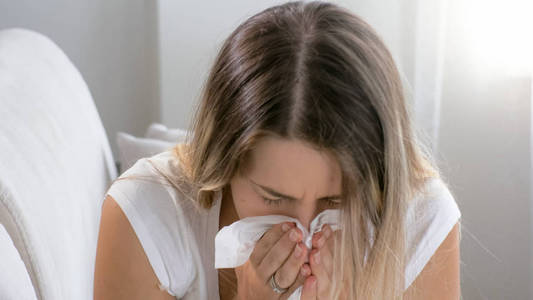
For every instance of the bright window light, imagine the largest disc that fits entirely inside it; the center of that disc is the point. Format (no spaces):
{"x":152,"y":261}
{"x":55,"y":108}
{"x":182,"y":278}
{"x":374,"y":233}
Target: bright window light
{"x":501,"y":33}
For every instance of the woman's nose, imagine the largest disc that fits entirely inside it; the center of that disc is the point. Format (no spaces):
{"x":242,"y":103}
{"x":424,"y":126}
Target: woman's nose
{"x":306,"y":217}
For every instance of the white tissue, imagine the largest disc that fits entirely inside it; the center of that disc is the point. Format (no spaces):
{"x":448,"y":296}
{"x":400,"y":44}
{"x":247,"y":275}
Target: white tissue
{"x":234,"y":243}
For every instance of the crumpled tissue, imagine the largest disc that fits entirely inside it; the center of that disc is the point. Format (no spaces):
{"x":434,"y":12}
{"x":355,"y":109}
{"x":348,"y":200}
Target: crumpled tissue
{"x":234,"y":243}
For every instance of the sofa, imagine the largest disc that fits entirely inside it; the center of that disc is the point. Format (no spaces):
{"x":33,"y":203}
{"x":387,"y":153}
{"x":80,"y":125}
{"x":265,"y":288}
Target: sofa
{"x":55,"y":166}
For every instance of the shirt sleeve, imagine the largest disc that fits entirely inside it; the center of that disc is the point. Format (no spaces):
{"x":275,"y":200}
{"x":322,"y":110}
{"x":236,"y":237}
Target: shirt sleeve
{"x":430,"y":218}
{"x":159,"y":225}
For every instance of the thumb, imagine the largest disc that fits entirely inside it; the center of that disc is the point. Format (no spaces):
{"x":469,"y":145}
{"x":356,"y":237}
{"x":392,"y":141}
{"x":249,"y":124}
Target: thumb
{"x":309,"y":289}
{"x":305,"y":271}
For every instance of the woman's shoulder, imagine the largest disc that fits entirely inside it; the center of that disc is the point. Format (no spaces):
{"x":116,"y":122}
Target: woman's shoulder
{"x":144,"y":186}
{"x":160,"y":220}
{"x":152,"y":181}
{"x":431,"y":215}
{"x":434,"y":199}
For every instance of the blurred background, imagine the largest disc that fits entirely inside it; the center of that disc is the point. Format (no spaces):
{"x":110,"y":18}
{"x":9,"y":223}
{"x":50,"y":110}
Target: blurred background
{"x":467,"y":67}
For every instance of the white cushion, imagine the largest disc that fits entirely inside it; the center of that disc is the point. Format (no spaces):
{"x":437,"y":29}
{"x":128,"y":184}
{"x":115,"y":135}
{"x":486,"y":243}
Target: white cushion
{"x":15,"y":282}
{"x":133,"y":148}
{"x":161,"y":132}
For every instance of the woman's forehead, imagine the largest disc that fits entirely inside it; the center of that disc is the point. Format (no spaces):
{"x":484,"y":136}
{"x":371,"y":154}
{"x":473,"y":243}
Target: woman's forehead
{"x":292,"y":165}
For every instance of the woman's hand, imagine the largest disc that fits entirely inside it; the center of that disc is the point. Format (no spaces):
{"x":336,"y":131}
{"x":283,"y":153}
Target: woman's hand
{"x":279,"y":252}
{"x":317,"y":286}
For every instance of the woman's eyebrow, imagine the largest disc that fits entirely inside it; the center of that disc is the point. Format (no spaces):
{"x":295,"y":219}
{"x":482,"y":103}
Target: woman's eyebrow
{"x":280,"y":195}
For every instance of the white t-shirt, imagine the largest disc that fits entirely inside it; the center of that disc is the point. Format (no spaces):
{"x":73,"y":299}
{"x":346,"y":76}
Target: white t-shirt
{"x":179,"y":240}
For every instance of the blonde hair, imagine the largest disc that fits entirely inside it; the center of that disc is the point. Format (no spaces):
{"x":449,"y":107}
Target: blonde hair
{"x":317,"y":73}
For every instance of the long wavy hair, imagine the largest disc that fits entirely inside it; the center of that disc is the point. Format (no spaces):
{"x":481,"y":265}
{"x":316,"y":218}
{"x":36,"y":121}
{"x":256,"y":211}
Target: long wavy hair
{"x":316,"y":72}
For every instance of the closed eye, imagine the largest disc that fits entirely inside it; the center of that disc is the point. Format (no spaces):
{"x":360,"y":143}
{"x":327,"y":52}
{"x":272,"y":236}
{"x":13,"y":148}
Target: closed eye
{"x":332,"y":202}
{"x":329,"y":200}
{"x":278,"y":201}
{"x":269,"y":201}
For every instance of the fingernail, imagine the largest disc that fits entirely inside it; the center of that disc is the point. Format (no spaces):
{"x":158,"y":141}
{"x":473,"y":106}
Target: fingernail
{"x":304,"y":271}
{"x":285,"y":227}
{"x":298,"y":250}
{"x":293,"y":235}
{"x":321,"y":241}
{"x":327,"y":232}
{"x":313,"y":283}
{"x":317,"y":257}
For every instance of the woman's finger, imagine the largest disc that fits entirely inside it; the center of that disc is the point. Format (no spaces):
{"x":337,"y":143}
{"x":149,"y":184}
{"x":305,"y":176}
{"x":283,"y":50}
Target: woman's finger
{"x":323,"y":241}
{"x":287,"y":273}
{"x":334,"y":239}
{"x":268,"y":240}
{"x":309,"y":288}
{"x":277,"y":255}
{"x":325,"y":255}
{"x":304,"y":271}
{"x":318,"y":269}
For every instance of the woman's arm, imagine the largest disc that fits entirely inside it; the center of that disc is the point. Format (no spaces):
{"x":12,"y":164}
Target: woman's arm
{"x":440,"y":277}
{"x":122,"y":269}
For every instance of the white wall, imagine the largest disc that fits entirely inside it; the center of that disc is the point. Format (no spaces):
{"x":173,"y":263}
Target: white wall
{"x":485,"y":149}
{"x":191,"y":33}
{"x":112,"y":43}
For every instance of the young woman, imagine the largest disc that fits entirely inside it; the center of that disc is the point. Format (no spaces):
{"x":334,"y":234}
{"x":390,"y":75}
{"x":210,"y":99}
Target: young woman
{"x":303,"y":111}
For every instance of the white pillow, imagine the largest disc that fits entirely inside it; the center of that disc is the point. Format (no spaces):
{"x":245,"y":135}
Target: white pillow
{"x":161,"y":132}
{"x":133,"y":148}
{"x":15,"y":283}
